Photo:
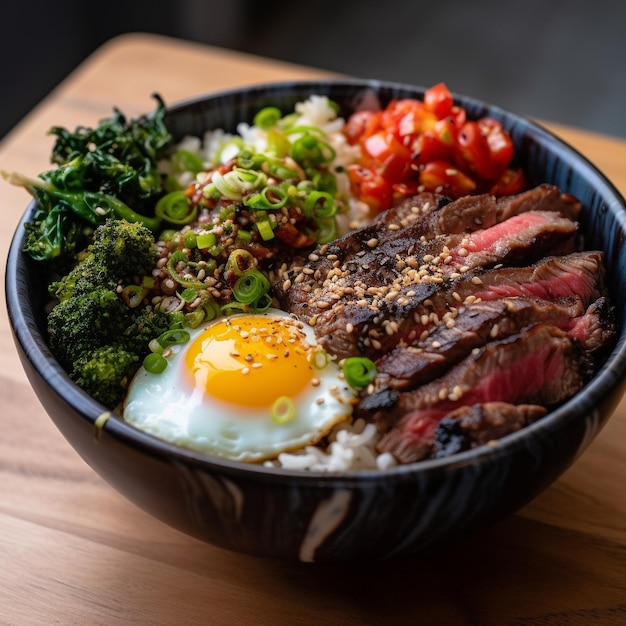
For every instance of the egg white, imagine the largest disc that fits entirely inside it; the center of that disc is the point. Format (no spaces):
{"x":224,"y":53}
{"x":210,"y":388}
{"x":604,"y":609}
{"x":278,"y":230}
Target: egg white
{"x":161,"y":406}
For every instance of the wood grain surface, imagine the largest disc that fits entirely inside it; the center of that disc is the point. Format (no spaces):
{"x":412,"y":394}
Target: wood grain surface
{"x":73,"y":551}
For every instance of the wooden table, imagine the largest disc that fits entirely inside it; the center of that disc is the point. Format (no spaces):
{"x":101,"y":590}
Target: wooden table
{"x":74,"y":551}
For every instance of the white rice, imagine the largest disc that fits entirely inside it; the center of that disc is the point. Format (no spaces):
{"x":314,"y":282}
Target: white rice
{"x":352,"y":447}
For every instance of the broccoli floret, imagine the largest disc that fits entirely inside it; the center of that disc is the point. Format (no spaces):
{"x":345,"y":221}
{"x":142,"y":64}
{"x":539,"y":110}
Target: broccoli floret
{"x":146,"y":326}
{"x":83,"y":323}
{"x":119,"y":251}
{"x":124,"y":248}
{"x":106,"y":373}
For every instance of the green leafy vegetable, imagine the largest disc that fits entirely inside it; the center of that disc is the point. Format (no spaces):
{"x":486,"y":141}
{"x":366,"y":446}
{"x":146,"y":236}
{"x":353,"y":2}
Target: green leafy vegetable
{"x":107,"y":171}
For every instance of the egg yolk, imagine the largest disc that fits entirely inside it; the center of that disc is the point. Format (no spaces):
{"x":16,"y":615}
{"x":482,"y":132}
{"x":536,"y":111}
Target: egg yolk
{"x":250,"y":361}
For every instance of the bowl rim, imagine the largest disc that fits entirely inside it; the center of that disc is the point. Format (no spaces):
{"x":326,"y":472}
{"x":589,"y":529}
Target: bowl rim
{"x":32,"y":344}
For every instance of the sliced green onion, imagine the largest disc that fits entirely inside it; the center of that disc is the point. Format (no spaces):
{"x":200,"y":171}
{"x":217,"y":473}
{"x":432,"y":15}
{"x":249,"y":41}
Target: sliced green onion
{"x":172,"y":337}
{"x":283,"y":409}
{"x":194,"y":318}
{"x":205,"y":240}
{"x":155,"y":363}
{"x":319,"y":359}
{"x":251,"y":286}
{"x":309,"y":150}
{"x":155,"y":346}
{"x":278,"y":169}
{"x":244,"y":236}
{"x":189,"y":294}
{"x":269,"y":198}
{"x":277,"y":143}
{"x":263,"y":303}
{"x":231,"y":308}
{"x":240,"y":261}
{"x":147,"y":282}
{"x":267,"y":117}
{"x":172,"y":262}
{"x":189,"y":239}
{"x":265,"y":230}
{"x":359,"y":371}
{"x":325,"y":181}
{"x":320,"y":205}
{"x":175,"y":208}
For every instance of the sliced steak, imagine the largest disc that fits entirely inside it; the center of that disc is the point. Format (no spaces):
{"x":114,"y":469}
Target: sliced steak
{"x":371,"y":252}
{"x":541,"y":365}
{"x":474,"y":325}
{"x":436,"y":434}
{"x":520,"y":240}
{"x":479,"y":424}
{"x":371,"y":320}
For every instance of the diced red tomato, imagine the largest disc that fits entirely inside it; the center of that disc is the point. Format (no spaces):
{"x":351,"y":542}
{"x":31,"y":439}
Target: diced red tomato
{"x":429,"y":143}
{"x":361,"y":124}
{"x":389,"y":156}
{"x":499,"y":142}
{"x":408,"y":118}
{"x":511,"y":181}
{"x":446,"y":178}
{"x":370,"y":187}
{"x":472,"y":151}
{"x":438,"y":99}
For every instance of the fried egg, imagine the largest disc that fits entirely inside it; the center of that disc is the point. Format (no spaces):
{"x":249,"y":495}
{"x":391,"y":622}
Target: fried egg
{"x":245,"y":387}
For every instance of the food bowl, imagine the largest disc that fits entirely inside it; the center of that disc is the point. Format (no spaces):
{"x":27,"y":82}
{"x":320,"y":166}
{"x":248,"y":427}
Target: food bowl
{"x":365,"y":514}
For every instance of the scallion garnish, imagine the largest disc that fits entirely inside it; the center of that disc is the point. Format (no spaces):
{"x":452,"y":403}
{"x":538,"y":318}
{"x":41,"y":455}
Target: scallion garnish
{"x":359,"y":371}
{"x":283,"y":409}
{"x":175,"y":208}
{"x":155,"y":363}
{"x":251,"y":286}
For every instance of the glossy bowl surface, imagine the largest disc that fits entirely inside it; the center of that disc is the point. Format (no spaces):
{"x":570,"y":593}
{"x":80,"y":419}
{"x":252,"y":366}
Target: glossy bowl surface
{"x":355,"y":515}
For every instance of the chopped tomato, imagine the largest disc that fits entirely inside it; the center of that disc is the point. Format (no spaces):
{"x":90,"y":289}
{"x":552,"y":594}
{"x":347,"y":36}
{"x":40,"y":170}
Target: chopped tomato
{"x":413,"y":144}
{"x":446,"y":178}
{"x":370,"y":187}
{"x":408,"y":118}
{"x":428,"y":147}
{"x":511,"y":181}
{"x":391,"y":158}
{"x":473,"y":151}
{"x":361,"y":124}
{"x":438,"y":99}
{"x":499,"y":142}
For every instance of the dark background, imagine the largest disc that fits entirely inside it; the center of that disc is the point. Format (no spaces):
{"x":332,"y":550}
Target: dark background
{"x":556,"y":60}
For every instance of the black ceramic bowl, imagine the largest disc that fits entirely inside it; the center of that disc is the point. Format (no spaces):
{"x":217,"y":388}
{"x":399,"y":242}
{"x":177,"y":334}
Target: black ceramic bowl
{"x":354,"y":515}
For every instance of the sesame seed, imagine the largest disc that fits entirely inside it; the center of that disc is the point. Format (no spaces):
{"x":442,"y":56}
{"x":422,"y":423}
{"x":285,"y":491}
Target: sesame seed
{"x":394,"y":226}
{"x":494,"y":331}
{"x":443,"y":393}
{"x":372,"y":243}
{"x":462,"y":252}
{"x":476,"y":280}
{"x":286,"y":285}
{"x":322,"y":304}
{"x":245,"y":370}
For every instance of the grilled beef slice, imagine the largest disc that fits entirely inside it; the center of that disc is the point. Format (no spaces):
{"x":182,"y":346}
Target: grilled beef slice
{"x":371,"y":320}
{"x":541,"y":366}
{"x":477,"y":323}
{"x":419,"y":218}
{"x":463,"y":429}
